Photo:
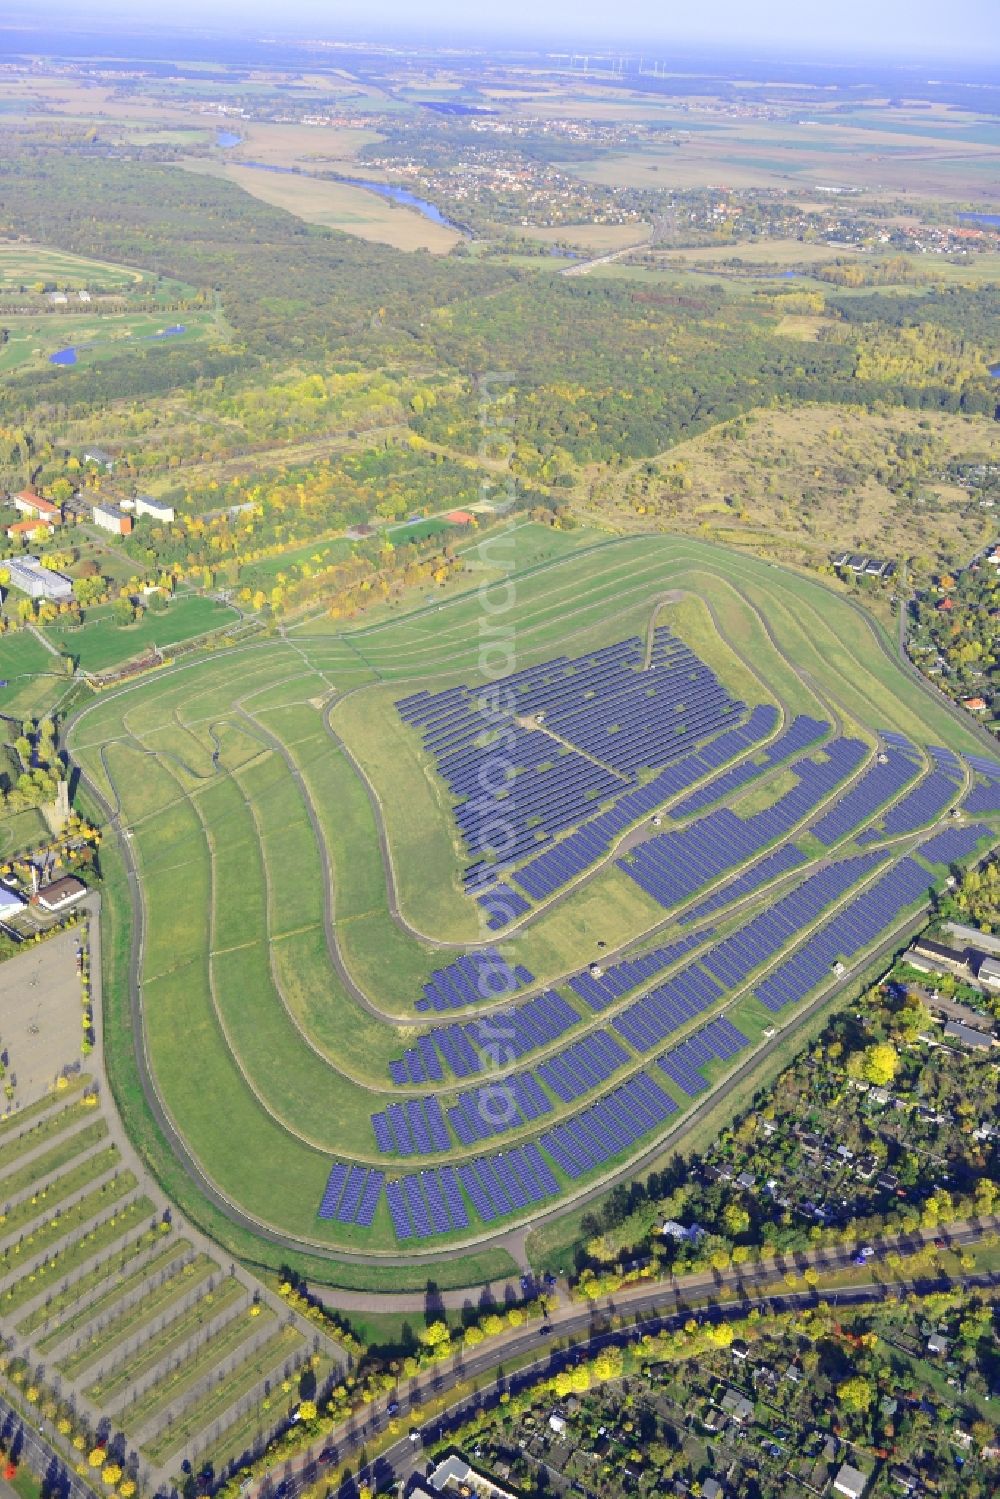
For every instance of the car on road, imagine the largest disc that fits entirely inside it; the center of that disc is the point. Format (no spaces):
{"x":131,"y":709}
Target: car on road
{"x":392,"y":1408}
{"x":415,"y":1436}
{"x":328,"y":1455}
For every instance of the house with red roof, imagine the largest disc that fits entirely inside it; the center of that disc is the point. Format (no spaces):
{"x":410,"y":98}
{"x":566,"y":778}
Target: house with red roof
{"x":37,"y":507}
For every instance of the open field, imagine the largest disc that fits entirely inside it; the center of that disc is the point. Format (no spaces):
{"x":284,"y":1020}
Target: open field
{"x":22,"y":265}
{"x":100,"y":644}
{"x":335,"y":205}
{"x":812,"y":481}
{"x":279,"y":941}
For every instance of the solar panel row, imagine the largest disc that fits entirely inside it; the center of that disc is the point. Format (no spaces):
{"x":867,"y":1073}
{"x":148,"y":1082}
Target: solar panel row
{"x":769,"y":868}
{"x":734,"y":959}
{"x":684,"y":1064}
{"x":426,"y":1204}
{"x":672,"y":866}
{"x":954,"y":844}
{"x":415,"y":1127}
{"x":801,"y":732}
{"x":599,"y":990}
{"x":609,"y":1127}
{"x":571,"y":856}
{"x":922,"y":805}
{"x":476,"y":978}
{"x":881,"y":783}
{"x":502,"y":905}
{"x":504,"y":1104}
{"x":853,"y":929}
{"x":352,"y":1194}
{"x":583,"y":1065}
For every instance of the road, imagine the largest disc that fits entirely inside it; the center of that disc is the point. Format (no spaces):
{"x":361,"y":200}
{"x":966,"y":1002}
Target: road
{"x":658,"y":1304}
{"x":28,"y":1445}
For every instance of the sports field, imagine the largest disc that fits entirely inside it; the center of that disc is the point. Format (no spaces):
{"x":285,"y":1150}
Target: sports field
{"x":723,"y":741}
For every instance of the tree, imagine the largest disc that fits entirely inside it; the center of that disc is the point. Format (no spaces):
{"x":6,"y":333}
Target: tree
{"x":736,"y":1219}
{"x":856,"y":1394}
{"x":877,"y":1064}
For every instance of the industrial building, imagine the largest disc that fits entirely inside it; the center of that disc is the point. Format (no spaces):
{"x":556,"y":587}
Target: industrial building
{"x":38,"y":582}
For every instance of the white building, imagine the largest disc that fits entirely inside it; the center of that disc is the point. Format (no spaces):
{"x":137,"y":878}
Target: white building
{"x":850,"y":1482}
{"x":38,"y":582}
{"x":145,"y":504}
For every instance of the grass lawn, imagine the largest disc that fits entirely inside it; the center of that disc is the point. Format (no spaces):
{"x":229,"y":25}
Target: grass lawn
{"x":29,"y":672}
{"x":103,"y":644}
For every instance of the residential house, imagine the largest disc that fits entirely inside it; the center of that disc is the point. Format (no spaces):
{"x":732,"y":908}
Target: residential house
{"x":850,"y":1482}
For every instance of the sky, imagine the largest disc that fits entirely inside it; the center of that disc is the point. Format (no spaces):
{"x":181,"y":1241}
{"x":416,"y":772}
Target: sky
{"x":903,"y":29}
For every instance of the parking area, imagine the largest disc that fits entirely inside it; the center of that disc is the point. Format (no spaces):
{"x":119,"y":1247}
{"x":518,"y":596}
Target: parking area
{"x":40,"y":1010}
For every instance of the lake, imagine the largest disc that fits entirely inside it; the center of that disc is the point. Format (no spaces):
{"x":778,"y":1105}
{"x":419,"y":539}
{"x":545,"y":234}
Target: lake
{"x":226,"y":139}
{"x":992,"y":219}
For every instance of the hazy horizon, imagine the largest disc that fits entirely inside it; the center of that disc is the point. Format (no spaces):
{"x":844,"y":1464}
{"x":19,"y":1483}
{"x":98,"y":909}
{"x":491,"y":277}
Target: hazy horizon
{"x":856,"y":30}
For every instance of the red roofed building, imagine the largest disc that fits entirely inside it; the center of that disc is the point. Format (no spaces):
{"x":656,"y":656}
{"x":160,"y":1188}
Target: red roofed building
{"x":22,"y":529}
{"x":974,"y":704}
{"x":32,"y":504}
{"x":946,"y":606}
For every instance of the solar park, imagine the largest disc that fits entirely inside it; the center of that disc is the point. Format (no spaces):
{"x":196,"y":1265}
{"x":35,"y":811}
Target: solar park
{"x":665,"y":845}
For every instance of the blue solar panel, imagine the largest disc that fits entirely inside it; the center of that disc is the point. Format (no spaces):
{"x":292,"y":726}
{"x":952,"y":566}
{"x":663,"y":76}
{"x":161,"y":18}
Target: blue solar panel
{"x":673,"y":866}
{"x":953,"y":845}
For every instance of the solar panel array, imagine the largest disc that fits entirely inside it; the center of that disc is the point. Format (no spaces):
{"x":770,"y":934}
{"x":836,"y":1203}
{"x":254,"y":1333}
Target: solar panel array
{"x":672,"y":866}
{"x":415,"y":1127}
{"x":771,"y":867}
{"x":502,"y":905}
{"x":418,"y":1064}
{"x":583,"y":1065}
{"x":505,"y":1035}
{"x":630,"y":973}
{"x":874,"y":912}
{"x":473,"y":979}
{"x":506,"y":1103}
{"x":502,"y":1183}
{"x":801,"y":732}
{"x":609,"y":1127}
{"x":734,"y":959}
{"x":719,"y":1040}
{"x":881,"y":783}
{"x":426,"y":1204}
{"x":605,"y":719}
{"x":656,"y":1015}
{"x":920,"y":806}
{"x":571,"y":856}
{"x":985,"y":793}
{"x":352,"y":1194}
{"x":953,"y":844}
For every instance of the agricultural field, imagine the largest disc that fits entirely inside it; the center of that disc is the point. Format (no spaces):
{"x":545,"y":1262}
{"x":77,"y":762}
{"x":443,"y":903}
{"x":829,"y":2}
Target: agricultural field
{"x":420,"y":1057}
{"x":119,"y":1319}
{"x":337,"y":205}
{"x":23,"y":266}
